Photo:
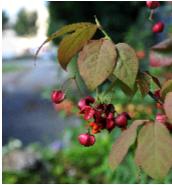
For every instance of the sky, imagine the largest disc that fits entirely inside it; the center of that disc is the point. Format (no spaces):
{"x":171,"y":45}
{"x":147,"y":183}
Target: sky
{"x":19,"y":44}
{"x":13,"y":6}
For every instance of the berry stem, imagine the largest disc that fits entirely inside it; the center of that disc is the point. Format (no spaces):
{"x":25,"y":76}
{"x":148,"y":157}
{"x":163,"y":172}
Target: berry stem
{"x":151,"y":15}
{"x":101,"y":29}
{"x":65,"y":83}
{"x":77,"y":85}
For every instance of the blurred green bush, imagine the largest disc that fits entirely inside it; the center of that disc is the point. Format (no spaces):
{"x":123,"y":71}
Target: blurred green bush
{"x":77,"y":164}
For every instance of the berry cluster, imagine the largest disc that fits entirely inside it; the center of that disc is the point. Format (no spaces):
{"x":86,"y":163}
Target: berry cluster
{"x":100,"y":116}
{"x":159,"y":26}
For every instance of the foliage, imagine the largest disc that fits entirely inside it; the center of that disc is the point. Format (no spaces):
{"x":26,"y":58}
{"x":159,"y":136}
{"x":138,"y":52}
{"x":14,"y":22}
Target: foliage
{"x":102,"y":60}
{"x":26,"y":23}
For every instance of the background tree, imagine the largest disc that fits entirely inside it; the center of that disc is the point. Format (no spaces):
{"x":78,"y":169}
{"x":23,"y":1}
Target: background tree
{"x":120,"y":14}
{"x":5,"y":20}
{"x":26,"y":23}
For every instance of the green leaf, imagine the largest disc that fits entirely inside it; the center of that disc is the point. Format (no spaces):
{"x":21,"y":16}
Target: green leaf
{"x":155,"y":79}
{"x":127,"y":64}
{"x":127,"y":90}
{"x":91,"y":28}
{"x":143,"y":81}
{"x":154,"y":150}
{"x":96,"y":62}
{"x":122,"y":144}
{"x":168,"y":106}
{"x":167,"y":87}
{"x":74,"y":42}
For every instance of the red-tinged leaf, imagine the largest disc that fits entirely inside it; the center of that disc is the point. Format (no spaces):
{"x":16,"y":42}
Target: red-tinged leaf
{"x":143,"y":81}
{"x":122,"y":144}
{"x":165,"y":45}
{"x":65,"y":29}
{"x":161,"y":54}
{"x":127,"y":64}
{"x":154,"y":150}
{"x":166,"y":88}
{"x":168,"y":106}
{"x":160,"y":59}
{"x":74,"y":42}
{"x":96,"y":62}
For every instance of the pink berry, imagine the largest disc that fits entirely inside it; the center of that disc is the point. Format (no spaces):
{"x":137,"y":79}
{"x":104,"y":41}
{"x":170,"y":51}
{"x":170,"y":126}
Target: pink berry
{"x":121,"y":120}
{"x":158,"y":27}
{"x":152,"y":4}
{"x":57,"y":96}
{"x":85,"y":101}
{"x":86,"y":139}
{"x":162,"y":118}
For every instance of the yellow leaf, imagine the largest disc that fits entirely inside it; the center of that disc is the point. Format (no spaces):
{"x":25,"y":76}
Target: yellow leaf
{"x":74,"y":42}
{"x":66,"y":29}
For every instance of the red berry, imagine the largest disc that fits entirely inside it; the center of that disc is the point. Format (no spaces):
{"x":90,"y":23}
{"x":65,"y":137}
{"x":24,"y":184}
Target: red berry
{"x":152,"y":4}
{"x":110,"y":125}
{"x":121,"y":120}
{"x":157,"y":94}
{"x":162,"y":118}
{"x":88,"y":112}
{"x":86,"y":139}
{"x":57,"y":96}
{"x":158,"y":27}
{"x":85,"y":101}
{"x":126,"y":115}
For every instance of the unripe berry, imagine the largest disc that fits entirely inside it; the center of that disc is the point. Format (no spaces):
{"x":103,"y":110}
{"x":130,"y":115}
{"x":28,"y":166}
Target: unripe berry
{"x":158,"y":27}
{"x":162,"y":118}
{"x":86,"y":139}
{"x":121,"y":120}
{"x":152,"y":4}
{"x":57,"y":96}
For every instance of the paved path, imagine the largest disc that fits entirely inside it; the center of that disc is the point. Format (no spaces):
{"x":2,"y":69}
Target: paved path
{"x":26,"y":115}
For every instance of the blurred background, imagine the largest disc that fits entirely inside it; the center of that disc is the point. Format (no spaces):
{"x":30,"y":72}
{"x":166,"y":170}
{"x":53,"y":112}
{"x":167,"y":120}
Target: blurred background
{"x":41,"y":137}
